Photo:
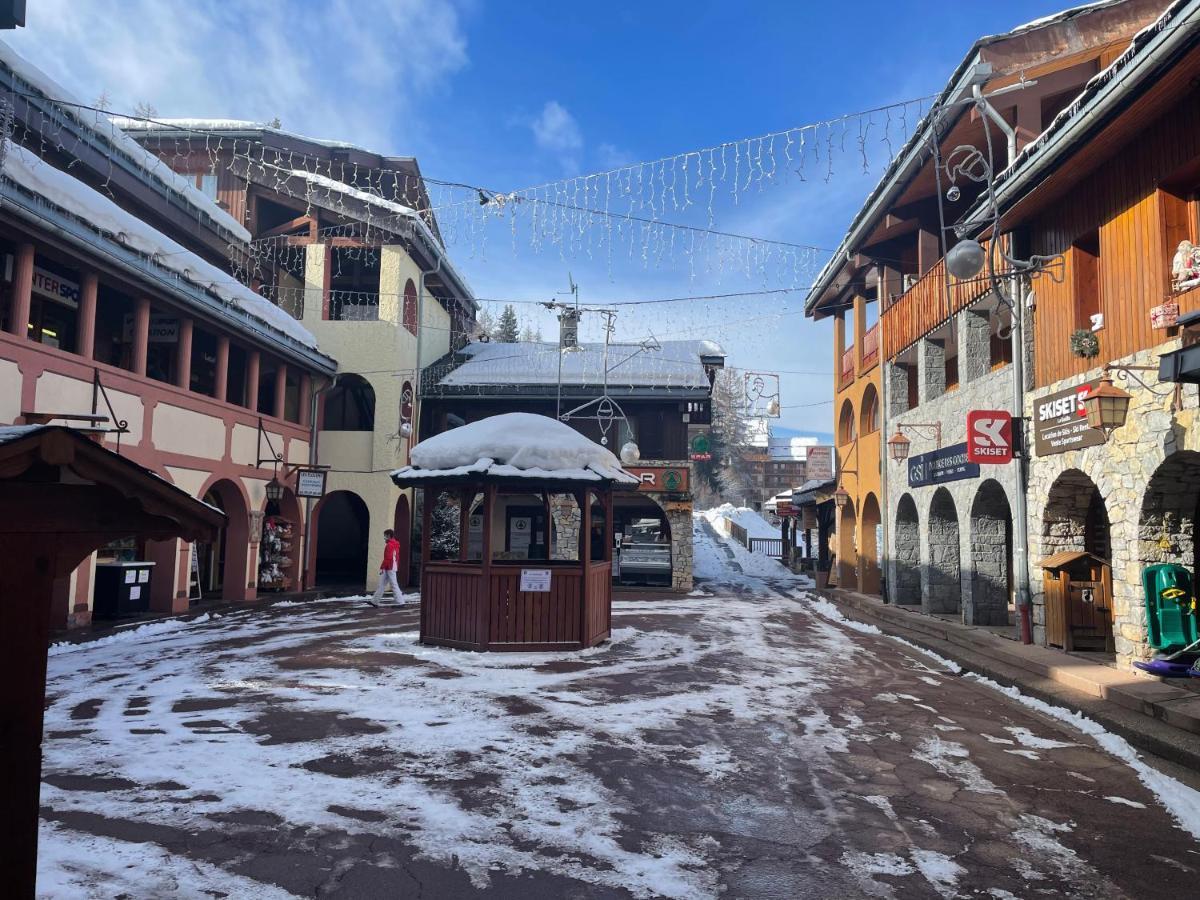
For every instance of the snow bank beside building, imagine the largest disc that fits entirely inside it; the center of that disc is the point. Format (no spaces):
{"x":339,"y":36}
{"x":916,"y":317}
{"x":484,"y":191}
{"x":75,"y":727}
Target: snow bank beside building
{"x":756,"y":526}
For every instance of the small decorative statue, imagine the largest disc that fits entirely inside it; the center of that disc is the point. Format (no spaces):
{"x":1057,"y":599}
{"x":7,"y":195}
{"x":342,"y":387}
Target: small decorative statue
{"x":1185,"y":266}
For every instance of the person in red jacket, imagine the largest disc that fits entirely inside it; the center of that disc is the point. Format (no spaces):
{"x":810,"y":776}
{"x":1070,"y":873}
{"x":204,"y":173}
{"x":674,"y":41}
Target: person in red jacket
{"x":389,"y":567}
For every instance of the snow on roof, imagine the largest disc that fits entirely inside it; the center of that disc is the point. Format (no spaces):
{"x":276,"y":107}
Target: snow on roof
{"x":15,"y":432}
{"x":675,"y":364}
{"x":193,"y":124}
{"x":73,"y":196}
{"x":1060,"y":16}
{"x":514,"y":445}
{"x":790,"y":448}
{"x":105,"y":127}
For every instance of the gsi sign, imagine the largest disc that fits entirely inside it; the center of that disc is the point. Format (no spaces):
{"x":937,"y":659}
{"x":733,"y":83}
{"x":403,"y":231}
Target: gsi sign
{"x":989,"y":436}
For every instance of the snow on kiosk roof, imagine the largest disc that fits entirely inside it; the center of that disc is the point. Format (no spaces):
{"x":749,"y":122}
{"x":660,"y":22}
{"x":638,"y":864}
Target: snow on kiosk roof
{"x":517,"y":447}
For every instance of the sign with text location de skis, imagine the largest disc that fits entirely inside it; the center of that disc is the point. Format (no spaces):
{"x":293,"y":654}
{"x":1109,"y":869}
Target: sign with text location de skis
{"x":989,"y":436}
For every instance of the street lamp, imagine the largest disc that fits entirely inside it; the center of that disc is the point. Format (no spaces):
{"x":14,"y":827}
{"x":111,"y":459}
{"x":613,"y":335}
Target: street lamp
{"x":274,"y":489}
{"x":1107,"y":406}
{"x":965,"y":259}
{"x":898,"y":446}
{"x":630,"y":453}
{"x":840,"y":497}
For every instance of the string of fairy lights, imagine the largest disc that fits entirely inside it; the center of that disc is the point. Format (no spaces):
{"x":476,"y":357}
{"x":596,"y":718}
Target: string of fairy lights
{"x":658,"y":215}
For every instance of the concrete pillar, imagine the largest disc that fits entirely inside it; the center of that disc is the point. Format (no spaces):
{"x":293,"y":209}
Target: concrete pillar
{"x":974,"y":345}
{"x":88,"y":289}
{"x":316,"y":282}
{"x":897,"y":376}
{"x":183,"y":355}
{"x":252,"y":363}
{"x":18,"y":322}
{"x":280,"y":390}
{"x":391,"y":283}
{"x":222,"y":375}
{"x":931,"y":369}
{"x":860,"y":319}
{"x":141,"y":334}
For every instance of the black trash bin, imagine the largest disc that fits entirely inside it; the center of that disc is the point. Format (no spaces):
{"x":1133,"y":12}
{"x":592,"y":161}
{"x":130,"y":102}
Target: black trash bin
{"x":122,"y":589}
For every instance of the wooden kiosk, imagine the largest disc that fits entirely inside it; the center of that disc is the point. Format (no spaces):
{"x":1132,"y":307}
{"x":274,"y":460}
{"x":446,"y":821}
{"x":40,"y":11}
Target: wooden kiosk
{"x":479,"y":602}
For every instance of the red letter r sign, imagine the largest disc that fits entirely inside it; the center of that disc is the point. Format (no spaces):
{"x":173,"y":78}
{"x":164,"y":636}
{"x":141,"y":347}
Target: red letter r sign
{"x":989,"y":436}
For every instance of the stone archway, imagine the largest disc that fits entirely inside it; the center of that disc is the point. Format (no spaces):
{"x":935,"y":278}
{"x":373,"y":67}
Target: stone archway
{"x":868,"y":546}
{"x":943,"y":592}
{"x":907,"y":552}
{"x":991,"y":557}
{"x":1075,"y":517}
{"x":847,"y":539}
{"x":1171,"y":514}
{"x":224,"y":564}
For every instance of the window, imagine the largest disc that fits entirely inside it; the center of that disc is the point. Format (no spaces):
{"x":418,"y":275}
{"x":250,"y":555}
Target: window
{"x":870,"y":411}
{"x":410,"y":306}
{"x":1085,"y":279}
{"x":207,"y":185}
{"x":951,"y":372}
{"x":266,"y":387}
{"x":204,"y":363}
{"x":235,"y":383}
{"x":846,"y":423}
{"x":54,"y":306}
{"x":1000,"y":352}
{"x":350,"y":405}
{"x":114,"y":344}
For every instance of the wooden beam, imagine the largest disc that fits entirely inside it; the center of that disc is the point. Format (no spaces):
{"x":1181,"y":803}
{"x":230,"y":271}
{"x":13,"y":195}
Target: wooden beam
{"x":304,"y":221}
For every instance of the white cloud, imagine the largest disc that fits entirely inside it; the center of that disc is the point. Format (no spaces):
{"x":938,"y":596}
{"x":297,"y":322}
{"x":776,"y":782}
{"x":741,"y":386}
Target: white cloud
{"x":556,"y":129}
{"x":346,"y":69}
{"x":613,"y":157}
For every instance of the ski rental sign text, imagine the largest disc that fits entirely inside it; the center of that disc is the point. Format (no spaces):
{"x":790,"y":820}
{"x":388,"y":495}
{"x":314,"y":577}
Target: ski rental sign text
{"x":989,"y":436}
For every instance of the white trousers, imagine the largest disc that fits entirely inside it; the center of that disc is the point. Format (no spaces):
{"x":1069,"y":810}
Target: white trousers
{"x":388,"y":577}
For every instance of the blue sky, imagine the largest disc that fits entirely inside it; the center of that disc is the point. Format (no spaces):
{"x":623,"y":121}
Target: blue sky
{"x":513,"y":94}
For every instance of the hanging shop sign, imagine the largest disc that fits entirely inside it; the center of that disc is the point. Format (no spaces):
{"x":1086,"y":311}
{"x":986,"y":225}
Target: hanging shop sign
{"x":672,"y":479}
{"x":701,"y":449}
{"x":818,"y":463}
{"x":940,"y":466}
{"x":1060,"y":421}
{"x":59,"y":289}
{"x":1165,"y":315}
{"x":310,"y":482}
{"x":989,"y":436}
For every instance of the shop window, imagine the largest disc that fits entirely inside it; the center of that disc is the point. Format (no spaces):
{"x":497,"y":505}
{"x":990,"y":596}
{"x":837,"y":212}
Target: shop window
{"x":1085,"y":279}
{"x":235,"y":381}
{"x":114,"y":344}
{"x":204,"y":363}
{"x":350,"y":405}
{"x":266,"y":387}
{"x":162,"y":349}
{"x":54,"y":306}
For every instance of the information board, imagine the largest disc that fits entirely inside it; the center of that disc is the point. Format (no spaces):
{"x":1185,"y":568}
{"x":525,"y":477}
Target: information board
{"x":535,"y":580}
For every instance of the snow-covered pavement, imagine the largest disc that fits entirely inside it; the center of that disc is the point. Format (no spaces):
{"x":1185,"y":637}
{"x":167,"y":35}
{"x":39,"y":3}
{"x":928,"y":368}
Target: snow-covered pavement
{"x":734,"y":742}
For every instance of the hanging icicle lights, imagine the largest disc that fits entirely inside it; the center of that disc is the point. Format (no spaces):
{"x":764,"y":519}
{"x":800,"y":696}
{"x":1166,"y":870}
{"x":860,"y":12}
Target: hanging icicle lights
{"x":625,"y":216}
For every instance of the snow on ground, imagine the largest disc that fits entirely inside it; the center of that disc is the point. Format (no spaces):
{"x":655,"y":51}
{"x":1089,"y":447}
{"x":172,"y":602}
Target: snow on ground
{"x":711,"y":558}
{"x":755,"y":525}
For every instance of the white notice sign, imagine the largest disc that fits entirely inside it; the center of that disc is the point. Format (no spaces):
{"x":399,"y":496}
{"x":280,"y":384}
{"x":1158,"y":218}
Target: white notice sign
{"x":535,"y":580}
{"x":310,"y":483}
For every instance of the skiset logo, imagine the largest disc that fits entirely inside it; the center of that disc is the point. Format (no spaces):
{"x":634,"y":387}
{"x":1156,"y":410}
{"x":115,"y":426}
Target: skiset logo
{"x":989,"y":436}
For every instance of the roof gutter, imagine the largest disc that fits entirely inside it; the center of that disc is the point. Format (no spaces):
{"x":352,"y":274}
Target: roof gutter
{"x":971,"y":73}
{"x":1030,"y":171}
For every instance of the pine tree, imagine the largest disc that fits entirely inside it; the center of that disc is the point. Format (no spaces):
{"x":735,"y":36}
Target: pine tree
{"x":726,"y":474}
{"x":485,"y":325}
{"x":507,"y":331}
{"x":444,"y":532}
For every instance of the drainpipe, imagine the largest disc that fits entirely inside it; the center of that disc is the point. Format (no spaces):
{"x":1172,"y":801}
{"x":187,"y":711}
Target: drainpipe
{"x":1017,"y":293}
{"x":313,"y":437}
{"x":884,"y":506}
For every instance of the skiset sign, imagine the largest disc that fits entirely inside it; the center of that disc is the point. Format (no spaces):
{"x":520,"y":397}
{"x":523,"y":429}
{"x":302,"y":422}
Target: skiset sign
{"x":989,"y":436}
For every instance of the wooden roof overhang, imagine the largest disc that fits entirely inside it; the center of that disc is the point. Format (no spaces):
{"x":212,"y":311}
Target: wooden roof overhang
{"x":66,"y":484}
{"x":552,"y":483}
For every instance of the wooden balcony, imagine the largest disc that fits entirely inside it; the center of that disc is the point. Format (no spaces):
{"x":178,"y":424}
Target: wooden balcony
{"x":925,"y":306}
{"x":846,"y":375}
{"x":870,"y":349}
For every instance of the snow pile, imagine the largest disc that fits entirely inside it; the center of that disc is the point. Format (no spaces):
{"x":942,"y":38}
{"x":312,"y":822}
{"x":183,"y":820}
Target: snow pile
{"x":72,"y":195}
{"x":756,"y":526}
{"x":150,"y":629}
{"x":111,"y":132}
{"x":332,"y":185}
{"x":515,"y":445}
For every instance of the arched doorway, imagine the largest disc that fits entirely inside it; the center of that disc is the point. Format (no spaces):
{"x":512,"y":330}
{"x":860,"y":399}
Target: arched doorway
{"x":991,"y":557}
{"x":869,"y":541}
{"x":222,"y":564}
{"x":1171,"y":514}
{"x":847,"y":539}
{"x":944,"y":593}
{"x":402,"y":525}
{"x":342,"y":525}
{"x":907,"y":552}
{"x":1075,"y":517}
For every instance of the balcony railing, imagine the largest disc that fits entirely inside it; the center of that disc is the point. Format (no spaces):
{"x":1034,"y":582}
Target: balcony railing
{"x":870,"y":347}
{"x":847,"y":373}
{"x":352,"y":306}
{"x":925,"y":306}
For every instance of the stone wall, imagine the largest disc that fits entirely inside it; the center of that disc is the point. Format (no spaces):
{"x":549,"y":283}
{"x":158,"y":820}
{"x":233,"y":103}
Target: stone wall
{"x":567,"y":519}
{"x":1148,"y":480}
{"x":968,"y":534}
